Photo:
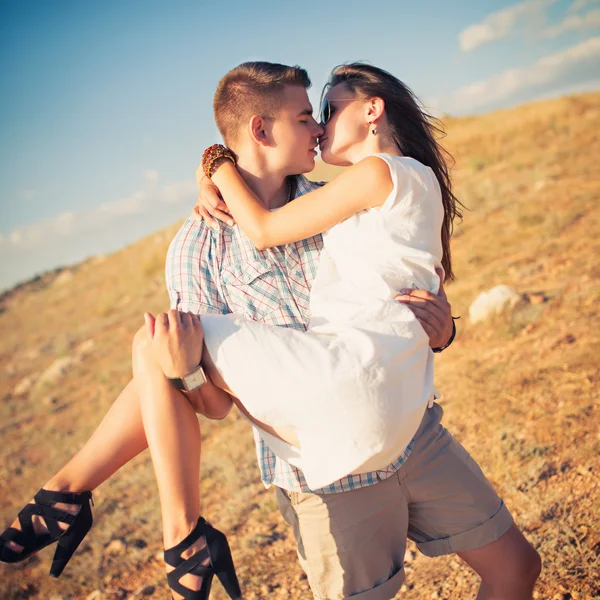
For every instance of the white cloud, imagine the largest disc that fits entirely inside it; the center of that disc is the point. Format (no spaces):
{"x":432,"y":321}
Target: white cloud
{"x":131,"y":205}
{"x":175,"y":192}
{"x":573,"y":22}
{"x":504,"y":23}
{"x":63,"y":224}
{"x":70,"y":223}
{"x":15,"y":237}
{"x":150,"y":175}
{"x":579,"y":4}
{"x":72,"y":236}
{"x":575,"y":61}
{"x":41,"y":232}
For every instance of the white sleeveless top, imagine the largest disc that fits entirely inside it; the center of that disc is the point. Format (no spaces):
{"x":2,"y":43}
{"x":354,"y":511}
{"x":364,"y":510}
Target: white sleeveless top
{"x":371,"y":256}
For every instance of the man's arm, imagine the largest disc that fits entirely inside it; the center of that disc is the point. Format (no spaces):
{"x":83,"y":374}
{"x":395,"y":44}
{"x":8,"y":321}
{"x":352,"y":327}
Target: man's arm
{"x":433,"y":312}
{"x":192,"y":283}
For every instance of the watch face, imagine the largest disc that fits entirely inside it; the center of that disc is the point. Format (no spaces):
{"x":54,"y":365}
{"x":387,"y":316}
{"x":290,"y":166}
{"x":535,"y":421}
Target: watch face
{"x":195,"y":380}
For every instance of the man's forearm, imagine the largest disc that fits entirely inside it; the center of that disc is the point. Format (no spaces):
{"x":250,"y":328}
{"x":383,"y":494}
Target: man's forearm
{"x":211,"y":401}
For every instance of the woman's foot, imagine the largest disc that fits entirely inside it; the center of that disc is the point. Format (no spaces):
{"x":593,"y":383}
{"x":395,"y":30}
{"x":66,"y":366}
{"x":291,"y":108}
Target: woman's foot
{"x":192,"y":563}
{"x":40,"y":528}
{"x":51,"y":516}
{"x":192,"y":582}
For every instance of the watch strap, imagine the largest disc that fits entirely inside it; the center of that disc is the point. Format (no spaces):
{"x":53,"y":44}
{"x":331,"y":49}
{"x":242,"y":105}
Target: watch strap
{"x":179,"y":382}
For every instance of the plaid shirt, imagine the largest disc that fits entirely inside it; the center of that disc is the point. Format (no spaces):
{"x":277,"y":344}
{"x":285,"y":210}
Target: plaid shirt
{"x":220,"y":271}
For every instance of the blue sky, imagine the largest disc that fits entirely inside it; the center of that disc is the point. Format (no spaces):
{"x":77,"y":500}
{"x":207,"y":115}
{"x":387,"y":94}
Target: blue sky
{"x":105,"y":107}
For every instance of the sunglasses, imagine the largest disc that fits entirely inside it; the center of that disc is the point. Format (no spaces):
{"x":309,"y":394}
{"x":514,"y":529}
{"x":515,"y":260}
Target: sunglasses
{"x":326,"y":110}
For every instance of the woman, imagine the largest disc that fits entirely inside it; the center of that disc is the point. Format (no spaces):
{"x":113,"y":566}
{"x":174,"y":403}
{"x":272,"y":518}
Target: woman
{"x":365,"y":362}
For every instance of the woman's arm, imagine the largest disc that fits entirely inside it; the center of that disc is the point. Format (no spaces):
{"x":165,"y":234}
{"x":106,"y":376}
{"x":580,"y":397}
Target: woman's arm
{"x":364,"y":185}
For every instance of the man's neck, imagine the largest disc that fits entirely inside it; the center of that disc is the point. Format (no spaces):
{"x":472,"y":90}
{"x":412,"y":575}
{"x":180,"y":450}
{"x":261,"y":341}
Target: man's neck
{"x":271,"y":188}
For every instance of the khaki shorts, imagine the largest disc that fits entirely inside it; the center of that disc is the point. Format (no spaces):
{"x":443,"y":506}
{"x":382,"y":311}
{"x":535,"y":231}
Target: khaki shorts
{"x":352,"y":544}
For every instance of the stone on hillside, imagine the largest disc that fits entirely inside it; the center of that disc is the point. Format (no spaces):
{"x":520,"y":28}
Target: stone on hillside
{"x":492,"y":302}
{"x":85,"y":349}
{"x":23,"y":387}
{"x":56,"y":371}
{"x":63,"y":278}
{"x":116,"y":547}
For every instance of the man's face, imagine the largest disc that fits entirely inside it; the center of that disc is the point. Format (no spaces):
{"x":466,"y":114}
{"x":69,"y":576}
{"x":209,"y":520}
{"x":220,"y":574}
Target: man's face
{"x":294,"y":133}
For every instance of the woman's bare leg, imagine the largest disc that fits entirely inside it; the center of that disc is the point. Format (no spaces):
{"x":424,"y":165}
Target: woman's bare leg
{"x":173,"y":435}
{"x":119,"y":438}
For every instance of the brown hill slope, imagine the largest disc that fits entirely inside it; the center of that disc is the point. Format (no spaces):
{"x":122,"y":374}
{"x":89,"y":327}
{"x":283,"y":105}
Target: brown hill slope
{"x":520,"y":391}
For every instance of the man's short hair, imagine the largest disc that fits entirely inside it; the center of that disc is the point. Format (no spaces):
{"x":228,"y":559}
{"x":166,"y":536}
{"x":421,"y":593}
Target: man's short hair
{"x":252,"y":88}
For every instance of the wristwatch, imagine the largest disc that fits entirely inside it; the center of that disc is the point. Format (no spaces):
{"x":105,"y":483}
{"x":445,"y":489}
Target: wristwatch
{"x":190,"y":382}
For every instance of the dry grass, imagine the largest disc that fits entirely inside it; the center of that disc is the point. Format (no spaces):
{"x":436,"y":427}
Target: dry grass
{"x":520,"y":391}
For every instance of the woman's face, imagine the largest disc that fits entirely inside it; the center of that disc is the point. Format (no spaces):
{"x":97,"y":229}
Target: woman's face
{"x":346,"y":128}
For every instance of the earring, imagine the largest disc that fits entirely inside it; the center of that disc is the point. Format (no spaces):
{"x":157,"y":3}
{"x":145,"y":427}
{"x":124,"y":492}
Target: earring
{"x":373,"y":131}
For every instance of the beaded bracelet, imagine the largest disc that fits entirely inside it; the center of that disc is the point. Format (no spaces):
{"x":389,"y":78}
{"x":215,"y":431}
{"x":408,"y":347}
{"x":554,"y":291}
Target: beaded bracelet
{"x":212,"y":154}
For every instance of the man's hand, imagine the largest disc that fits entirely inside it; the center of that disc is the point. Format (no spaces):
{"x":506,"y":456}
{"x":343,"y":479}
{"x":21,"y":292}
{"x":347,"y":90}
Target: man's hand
{"x":176,"y":340}
{"x":210,"y":205}
{"x":433,"y":312}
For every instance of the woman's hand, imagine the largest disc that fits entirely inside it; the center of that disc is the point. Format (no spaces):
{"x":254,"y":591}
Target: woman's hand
{"x":210,"y":205}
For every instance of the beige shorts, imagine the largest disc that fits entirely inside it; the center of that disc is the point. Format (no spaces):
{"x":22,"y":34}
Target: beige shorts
{"x":352,"y":544}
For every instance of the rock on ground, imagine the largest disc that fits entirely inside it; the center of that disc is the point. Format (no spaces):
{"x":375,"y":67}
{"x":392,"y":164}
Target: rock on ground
{"x":494,"y":301}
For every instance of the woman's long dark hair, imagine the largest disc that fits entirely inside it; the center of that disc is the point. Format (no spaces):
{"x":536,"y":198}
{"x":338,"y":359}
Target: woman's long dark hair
{"x":414,"y":132}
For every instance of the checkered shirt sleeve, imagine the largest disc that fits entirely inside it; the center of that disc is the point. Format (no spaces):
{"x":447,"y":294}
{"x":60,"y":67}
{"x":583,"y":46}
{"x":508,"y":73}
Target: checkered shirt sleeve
{"x":192,"y":273}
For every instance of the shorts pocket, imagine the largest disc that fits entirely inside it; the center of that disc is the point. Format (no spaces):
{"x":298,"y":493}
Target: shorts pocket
{"x":251,"y":288}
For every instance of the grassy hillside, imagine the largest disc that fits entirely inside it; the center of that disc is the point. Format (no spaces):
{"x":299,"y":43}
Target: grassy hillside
{"x":521,"y":391}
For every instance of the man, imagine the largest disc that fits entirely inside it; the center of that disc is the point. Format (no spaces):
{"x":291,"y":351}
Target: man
{"x":351,"y":536}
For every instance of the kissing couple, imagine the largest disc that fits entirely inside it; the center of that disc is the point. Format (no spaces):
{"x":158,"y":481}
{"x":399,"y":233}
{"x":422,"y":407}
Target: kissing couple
{"x":317,"y":310}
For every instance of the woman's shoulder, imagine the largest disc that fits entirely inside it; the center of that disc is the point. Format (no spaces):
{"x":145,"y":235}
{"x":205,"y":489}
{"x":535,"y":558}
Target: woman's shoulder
{"x":414,"y":184}
{"x":369,"y":178}
{"x":406,"y":163}
{"x":397,"y":165}
{"x":415,"y":173}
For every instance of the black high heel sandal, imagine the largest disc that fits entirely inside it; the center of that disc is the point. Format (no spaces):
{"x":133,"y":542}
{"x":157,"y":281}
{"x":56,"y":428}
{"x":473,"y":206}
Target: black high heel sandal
{"x":68,"y":539}
{"x":214,"y":559}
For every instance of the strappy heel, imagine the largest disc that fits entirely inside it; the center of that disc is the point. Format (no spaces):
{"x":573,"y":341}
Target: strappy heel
{"x":214,"y":559}
{"x":68,"y":539}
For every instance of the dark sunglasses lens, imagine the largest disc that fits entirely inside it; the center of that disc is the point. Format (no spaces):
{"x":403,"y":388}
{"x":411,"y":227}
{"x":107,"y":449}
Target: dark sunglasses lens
{"x":325,"y":112}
